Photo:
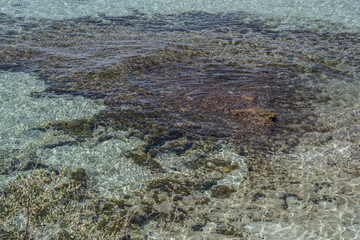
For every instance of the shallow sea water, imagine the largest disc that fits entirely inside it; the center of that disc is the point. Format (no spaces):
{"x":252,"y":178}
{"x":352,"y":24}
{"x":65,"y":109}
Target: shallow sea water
{"x":147,"y":97}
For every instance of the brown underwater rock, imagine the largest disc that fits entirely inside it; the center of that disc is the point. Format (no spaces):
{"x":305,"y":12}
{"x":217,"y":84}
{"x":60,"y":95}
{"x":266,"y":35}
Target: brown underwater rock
{"x":243,"y":109}
{"x":256,"y":116}
{"x":222,"y":191}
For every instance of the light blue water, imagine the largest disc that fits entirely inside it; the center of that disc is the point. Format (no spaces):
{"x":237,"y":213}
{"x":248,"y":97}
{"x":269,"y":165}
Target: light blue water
{"x":346,"y":12}
{"x":173,"y":78}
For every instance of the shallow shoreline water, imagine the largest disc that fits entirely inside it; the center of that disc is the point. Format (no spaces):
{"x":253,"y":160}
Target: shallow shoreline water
{"x":189,"y":126}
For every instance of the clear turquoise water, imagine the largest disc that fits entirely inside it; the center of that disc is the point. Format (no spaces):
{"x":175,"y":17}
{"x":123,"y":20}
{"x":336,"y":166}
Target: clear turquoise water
{"x":346,"y":12}
{"x":164,"y":77}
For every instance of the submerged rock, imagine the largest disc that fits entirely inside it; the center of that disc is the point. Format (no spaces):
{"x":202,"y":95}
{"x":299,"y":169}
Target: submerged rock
{"x":63,"y":235}
{"x":31,"y":165}
{"x":256,"y":116}
{"x":248,"y":110}
{"x":213,"y":164}
{"x":170,"y":186}
{"x":222,"y":191}
{"x":228,"y":231}
{"x":78,"y":127}
{"x":145,"y":160}
{"x":79,"y":176}
{"x":149,"y":90}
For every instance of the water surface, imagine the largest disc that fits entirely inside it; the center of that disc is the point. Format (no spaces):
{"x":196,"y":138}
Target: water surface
{"x":261,"y":98}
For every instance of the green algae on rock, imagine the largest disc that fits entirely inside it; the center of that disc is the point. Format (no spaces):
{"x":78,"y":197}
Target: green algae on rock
{"x":63,"y":235}
{"x":170,"y":186}
{"x":174,"y":80}
{"x":256,"y":116}
{"x":213,"y":164}
{"x":76,"y":188}
{"x":107,"y":206}
{"x":79,"y":176}
{"x":41,"y":194}
{"x":228,"y":231}
{"x":168,"y":200}
{"x":267,"y":85}
{"x":145,"y":160}
{"x":77,"y":127}
{"x":222,"y":191}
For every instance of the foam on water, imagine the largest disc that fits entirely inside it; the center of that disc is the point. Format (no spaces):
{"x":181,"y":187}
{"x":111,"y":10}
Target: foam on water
{"x":346,"y":11}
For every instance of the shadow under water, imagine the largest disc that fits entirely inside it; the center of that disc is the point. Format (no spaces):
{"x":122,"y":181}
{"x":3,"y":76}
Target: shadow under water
{"x":237,"y":80}
{"x":194,"y":81}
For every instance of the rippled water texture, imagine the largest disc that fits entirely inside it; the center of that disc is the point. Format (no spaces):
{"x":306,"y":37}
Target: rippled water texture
{"x":261,"y":119}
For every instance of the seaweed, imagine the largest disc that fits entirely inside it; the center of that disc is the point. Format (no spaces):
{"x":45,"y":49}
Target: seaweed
{"x":222,"y":191}
{"x":145,"y":160}
{"x":221,"y":165}
{"x":170,"y":186}
{"x":78,"y":127}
